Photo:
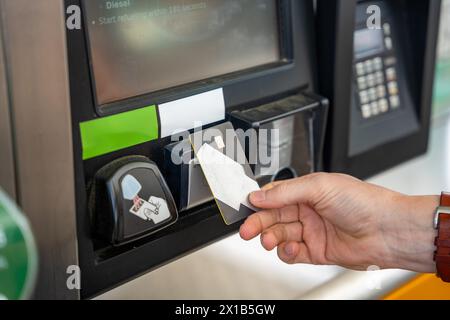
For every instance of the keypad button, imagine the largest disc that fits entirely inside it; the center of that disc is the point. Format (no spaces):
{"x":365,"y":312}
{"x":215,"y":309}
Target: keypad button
{"x":371,"y":80}
{"x":387,"y":29}
{"x":393,"y":88}
{"x":391,"y":74}
{"x":381,"y":91}
{"x":360,"y":69}
{"x":362,"y":83}
{"x":390,"y":61}
{"x":379,"y":77}
{"x":366,"y":111}
{"x":368,"y":66}
{"x":388,"y":43}
{"x":375,"y":108}
{"x":383,"y":105}
{"x":377,"y":64}
{"x":372,"y":94}
{"x":364,"y":97}
{"x":395,"y":102}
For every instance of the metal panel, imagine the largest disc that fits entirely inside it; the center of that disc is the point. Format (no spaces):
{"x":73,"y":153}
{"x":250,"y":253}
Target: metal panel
{"x":36,"y":51}
{"x":6,"y":146}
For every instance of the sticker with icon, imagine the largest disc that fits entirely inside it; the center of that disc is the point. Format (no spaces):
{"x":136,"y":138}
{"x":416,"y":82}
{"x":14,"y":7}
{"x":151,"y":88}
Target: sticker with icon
{"x":155,"y":209}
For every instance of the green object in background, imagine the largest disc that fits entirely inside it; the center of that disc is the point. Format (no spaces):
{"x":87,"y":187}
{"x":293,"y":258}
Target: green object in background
{"x":109,"y":134}
{"x":442,"y":86}
{"x":18,"y":257}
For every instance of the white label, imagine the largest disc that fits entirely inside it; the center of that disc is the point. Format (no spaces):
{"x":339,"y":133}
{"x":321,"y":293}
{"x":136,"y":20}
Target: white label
{"x":185,"y":114}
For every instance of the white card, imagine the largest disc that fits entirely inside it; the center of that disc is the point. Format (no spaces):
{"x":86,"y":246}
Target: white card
{"x":226,"y":178}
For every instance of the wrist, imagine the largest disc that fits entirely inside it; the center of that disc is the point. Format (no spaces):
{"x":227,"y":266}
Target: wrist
{"x":411,"y":234}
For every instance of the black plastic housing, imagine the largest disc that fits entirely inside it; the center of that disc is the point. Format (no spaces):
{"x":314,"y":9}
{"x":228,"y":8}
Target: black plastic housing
{"x":416,"y":25}
{"x":105,"y":266}
{"x":109,"y":220}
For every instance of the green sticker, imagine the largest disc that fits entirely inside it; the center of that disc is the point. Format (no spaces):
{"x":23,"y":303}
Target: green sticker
{"x":109,"y":134}
{"x":18,"y":258}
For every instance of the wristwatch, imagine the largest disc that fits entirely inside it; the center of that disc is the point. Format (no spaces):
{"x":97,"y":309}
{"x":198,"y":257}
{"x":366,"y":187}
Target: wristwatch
{"x":442,"y":242}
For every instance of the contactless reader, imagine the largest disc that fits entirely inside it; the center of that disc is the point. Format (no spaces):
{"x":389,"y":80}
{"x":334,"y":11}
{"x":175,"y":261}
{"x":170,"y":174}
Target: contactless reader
{"x":137,"y":200}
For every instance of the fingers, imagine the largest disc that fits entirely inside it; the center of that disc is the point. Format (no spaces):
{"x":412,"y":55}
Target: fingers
{"x":272,"y":185}
{"x":291,"y":192}
{"x":294,"y":252}
{"x":280,"y":233}
{"x":258,"y":222}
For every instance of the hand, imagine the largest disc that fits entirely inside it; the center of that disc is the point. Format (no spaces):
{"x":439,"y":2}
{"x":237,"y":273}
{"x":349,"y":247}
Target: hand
{"x":334,"y":219}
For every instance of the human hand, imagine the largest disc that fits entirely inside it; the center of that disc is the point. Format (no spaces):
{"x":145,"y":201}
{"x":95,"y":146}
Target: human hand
{"x":334,"y":219}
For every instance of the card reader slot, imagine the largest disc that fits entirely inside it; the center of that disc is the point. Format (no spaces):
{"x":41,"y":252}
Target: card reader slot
{"x":290,"y":130}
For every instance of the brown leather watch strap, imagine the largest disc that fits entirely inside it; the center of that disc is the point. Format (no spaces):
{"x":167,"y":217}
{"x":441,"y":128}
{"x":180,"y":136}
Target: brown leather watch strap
{"x":442,"y":254}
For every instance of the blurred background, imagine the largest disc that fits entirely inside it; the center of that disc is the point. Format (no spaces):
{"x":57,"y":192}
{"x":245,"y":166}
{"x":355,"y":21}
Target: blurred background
{"x":442,"y":85}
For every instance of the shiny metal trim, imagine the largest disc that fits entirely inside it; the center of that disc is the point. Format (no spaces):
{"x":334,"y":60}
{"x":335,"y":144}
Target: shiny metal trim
{"x":438,"y":212}
{"x":7,"y":170}
{"x":36,"y":51}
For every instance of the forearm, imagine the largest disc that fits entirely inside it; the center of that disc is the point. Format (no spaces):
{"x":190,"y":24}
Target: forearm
{"x":409,"y":234}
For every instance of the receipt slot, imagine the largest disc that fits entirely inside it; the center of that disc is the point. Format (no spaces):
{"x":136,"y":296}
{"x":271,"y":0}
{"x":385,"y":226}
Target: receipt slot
{"x":288,"y":135}
{"x":131,"y":200}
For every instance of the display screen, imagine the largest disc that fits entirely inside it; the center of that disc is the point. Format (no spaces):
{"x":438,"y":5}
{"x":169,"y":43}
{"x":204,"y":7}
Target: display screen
{"x":143,"y":46}
{"x":368,"y":42}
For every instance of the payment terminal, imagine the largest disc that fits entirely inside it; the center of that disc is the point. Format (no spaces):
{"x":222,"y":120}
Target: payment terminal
{"x":377,"y":67}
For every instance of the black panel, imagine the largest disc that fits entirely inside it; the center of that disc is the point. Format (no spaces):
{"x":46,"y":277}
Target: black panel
{"x":105,"y":266}
{"x":415,"y":27}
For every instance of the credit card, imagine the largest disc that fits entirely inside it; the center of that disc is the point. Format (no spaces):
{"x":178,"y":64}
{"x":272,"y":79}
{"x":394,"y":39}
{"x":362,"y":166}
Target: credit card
{"x":226,"y":170}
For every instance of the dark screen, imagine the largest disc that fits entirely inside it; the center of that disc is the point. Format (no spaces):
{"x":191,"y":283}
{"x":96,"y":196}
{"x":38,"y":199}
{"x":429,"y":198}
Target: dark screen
{"x":143,"y":46}
{"x":368,"y":42}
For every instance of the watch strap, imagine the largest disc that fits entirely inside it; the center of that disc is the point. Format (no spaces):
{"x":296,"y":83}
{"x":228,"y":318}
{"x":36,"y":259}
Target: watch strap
{"x":442,"y":242}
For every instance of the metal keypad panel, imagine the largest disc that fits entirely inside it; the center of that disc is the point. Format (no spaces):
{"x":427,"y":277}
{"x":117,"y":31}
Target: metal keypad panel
{"x":376,"y":82}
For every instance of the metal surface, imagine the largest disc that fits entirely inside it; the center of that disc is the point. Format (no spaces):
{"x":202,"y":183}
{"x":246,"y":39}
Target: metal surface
{"x":439,"y":211}
{"x":7,"y":180}
{"x":35,"y":48}
{"x":198,"y":189}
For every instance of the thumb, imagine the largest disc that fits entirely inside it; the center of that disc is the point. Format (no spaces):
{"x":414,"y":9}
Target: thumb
{"x":291,"y":192}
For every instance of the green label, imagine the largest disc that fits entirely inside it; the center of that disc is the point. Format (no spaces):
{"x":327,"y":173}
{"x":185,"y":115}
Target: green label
{"x":18,"y":262}
{"x":109,"y":134}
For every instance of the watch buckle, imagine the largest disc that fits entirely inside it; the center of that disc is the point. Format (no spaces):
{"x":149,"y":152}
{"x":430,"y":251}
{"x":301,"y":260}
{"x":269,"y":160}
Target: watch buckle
{"x":440,"y":210}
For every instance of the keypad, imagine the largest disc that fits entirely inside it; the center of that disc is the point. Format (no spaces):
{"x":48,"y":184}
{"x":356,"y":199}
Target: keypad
{"x":376,"y":81}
